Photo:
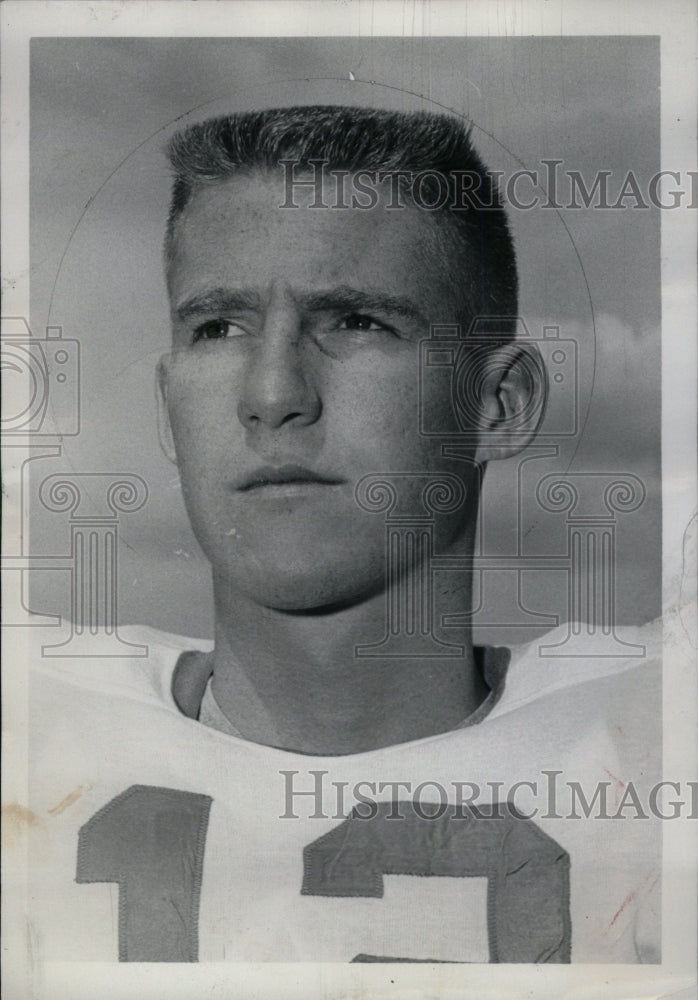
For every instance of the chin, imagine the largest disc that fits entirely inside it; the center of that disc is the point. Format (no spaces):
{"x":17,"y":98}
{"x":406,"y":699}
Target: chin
{"x":311,"y":594}
{"x":304,"y":587}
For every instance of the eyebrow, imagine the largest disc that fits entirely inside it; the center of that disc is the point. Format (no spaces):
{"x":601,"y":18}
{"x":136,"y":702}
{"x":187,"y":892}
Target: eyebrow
{"x":343,"y":298}
{"x":218,"y":300}
{"x":340,"y":298}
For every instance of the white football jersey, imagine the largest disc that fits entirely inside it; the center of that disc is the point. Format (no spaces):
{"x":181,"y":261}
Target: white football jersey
{"x":523,"y":837}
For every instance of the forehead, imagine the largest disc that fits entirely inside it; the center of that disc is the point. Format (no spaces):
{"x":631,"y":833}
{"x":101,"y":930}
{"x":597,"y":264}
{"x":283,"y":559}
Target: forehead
{"x":239,"y":230}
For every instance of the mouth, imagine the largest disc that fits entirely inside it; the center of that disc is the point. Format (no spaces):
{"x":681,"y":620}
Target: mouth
{"x":269,"y":477}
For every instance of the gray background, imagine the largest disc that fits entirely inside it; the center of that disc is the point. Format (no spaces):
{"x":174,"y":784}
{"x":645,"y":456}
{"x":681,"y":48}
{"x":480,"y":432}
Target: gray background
{"x":101,"y":111}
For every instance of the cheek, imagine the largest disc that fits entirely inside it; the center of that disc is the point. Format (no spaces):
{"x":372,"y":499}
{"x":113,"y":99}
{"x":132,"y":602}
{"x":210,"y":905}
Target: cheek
{"x":437,"y":413}
{"x":197,"y":425}
{"x":383,"y":419}
{"x":377,"y":395}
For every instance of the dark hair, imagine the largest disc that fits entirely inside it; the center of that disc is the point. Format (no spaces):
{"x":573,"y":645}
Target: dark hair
{"x":352,"y":138}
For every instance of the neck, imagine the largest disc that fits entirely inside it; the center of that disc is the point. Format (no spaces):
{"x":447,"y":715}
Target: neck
{"x":294,"y":681}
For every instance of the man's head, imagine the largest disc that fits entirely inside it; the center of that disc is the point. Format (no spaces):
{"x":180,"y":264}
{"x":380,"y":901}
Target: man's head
{"x":427,"y":156}
{"x":297,"y":320}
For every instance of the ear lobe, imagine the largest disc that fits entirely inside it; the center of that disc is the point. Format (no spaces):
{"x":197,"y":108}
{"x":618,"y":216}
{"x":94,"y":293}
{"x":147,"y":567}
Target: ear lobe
{"x":163,"y":413}
{"x":513,"y":395}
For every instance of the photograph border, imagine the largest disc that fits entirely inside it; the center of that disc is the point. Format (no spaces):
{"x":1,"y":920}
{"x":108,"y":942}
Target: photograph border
{"x":675,"y":24}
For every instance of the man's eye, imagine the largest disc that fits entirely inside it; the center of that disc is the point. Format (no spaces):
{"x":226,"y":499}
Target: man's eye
{"x":217,"y":329}
{"x":361,"y":322}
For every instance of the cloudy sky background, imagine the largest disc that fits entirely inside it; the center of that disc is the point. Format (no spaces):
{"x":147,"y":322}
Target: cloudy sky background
{"x":101,"y":112}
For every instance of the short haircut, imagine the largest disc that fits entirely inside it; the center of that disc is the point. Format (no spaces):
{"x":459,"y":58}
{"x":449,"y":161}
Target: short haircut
{"x":366,"y":139}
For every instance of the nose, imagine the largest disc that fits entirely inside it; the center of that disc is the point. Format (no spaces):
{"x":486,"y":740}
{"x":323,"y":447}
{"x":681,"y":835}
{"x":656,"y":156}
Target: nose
{"x":278,"y":387}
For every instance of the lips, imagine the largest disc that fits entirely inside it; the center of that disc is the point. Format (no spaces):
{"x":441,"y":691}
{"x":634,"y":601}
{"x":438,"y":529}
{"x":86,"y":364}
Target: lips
{"x":284,"y":475}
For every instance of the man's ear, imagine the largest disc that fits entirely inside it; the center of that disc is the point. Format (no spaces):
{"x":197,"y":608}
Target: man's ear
{"x":513,"y":392}
{"x":164,"y":425}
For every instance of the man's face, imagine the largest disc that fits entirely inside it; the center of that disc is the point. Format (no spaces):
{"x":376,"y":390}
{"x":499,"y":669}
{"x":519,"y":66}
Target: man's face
{"x":295,"y":373}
